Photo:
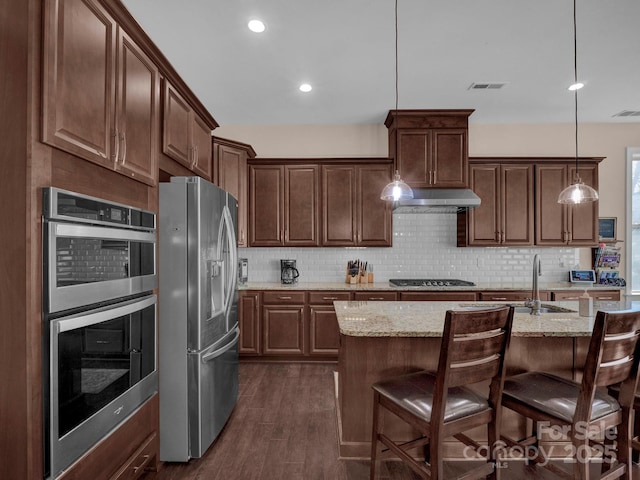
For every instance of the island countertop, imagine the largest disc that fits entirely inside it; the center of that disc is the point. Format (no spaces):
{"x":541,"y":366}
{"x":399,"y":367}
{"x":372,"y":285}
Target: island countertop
{"x":426,"y":319}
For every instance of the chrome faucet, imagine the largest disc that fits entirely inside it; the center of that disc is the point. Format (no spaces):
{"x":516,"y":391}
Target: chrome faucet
{"x":534,"y":304}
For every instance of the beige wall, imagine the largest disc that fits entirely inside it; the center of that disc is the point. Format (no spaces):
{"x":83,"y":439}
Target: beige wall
{"x":595,"y":140}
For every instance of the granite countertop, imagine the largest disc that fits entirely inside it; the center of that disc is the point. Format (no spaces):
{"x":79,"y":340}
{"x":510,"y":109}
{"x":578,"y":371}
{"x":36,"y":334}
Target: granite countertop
{"x":426,"y":319}
{"x":387,"y":286}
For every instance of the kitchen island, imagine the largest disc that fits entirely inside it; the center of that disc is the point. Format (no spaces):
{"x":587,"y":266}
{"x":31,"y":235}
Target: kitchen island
{"x":379,"y":340}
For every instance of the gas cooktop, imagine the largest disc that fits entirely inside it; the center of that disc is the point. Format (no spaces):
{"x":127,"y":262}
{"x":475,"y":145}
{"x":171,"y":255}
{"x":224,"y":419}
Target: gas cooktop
{"x":430,"y":282}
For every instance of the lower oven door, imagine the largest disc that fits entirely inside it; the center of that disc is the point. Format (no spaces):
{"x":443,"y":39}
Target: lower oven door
{"x":102,"y":366}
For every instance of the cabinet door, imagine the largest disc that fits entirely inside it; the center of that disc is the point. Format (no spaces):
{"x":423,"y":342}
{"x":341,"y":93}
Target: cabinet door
{"x":412,"y":162}
{"x":338,"y":205}
{"x":78,"y":88}
{"x":324,"y":332}
{"x":201,"y":149}
{"x":249,"y":322}
{"x":301,"y":206}
{"x":374,"y":218}
{"x":517,"y":204}
{"x":137,"y":112}
{"x":232,"y":177}
{"x":266,"y":199}
{"x":449,"y":158}
{"x":283,"y":330}
{"x":485,"y":222}
{"x":176,"y":129}
{"x":551,"y":216}
{"x":583,"y":218}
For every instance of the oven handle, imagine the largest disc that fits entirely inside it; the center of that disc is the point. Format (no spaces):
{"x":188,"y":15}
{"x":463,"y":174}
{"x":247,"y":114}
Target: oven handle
{"x":102,"y":314}
{"x":87,"y":231}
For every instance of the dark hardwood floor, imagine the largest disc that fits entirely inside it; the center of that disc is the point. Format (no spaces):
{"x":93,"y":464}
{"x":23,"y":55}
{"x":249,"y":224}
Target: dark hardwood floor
{"x":284,"y":428}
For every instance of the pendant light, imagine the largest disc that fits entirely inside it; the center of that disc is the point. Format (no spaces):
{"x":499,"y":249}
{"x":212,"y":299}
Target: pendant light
{"x":578,"y":192}
{"x":396,"y":190}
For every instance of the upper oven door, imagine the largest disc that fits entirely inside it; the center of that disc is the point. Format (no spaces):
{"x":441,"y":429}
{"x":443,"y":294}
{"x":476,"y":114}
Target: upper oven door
{"x":86,"y":264}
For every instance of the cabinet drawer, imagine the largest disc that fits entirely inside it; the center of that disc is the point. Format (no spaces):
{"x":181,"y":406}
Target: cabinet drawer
{"x":280,"y":298}
{"x":372,"y":296}
{"x":509,"y":296}
{"x":607,"y":295}
{"x":596,"y":295}
{"x":438,"y":296}
{"x":327,"y":298}
{"x":140,"y":462}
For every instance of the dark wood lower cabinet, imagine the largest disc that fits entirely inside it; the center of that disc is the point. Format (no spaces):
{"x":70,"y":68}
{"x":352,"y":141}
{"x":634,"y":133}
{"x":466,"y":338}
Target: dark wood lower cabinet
{"x":249,"y":322}
{"x":324,"y":333}
{"x":283,"y":330}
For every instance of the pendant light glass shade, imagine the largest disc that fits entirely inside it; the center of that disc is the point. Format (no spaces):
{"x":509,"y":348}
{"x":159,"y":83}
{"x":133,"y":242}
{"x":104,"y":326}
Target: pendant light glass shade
{"x":396,"y":190}
{"x":577,"y":193}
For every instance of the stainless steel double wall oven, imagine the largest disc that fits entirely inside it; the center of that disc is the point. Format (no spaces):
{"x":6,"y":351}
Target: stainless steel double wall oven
{"x":100,"y":320}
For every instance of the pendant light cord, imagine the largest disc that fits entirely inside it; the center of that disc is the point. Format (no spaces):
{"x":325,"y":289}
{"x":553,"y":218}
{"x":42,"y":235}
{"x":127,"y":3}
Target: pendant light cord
{"x":395,"y":160}
{"x":575,"y":81}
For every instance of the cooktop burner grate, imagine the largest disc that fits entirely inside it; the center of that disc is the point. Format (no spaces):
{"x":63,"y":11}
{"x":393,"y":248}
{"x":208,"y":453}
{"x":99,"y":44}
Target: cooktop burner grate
{"x":430,"y":282}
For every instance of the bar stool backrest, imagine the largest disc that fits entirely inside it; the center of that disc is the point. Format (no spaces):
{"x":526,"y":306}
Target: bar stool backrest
{"x":472,"y":351}
{"x":612,"y":359}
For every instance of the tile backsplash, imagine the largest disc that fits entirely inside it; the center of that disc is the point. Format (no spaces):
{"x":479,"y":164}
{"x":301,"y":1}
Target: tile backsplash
{"x":424,"y":246}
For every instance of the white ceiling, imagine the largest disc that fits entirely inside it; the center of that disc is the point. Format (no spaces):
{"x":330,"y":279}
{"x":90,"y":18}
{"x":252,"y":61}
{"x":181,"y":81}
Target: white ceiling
{"x":345,"y":49}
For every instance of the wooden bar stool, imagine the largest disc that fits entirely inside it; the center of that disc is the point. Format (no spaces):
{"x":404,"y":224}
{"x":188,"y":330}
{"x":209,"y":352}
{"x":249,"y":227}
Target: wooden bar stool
{"x":586,"y":411}
{"x":439,"y":405}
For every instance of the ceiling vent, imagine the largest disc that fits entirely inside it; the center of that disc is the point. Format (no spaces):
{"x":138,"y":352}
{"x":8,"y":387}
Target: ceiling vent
{"x":487,"y":86}
{"x":628,"y":113}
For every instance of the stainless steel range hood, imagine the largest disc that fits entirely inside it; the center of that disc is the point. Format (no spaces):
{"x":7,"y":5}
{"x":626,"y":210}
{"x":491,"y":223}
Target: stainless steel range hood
{"x":438,"y":200}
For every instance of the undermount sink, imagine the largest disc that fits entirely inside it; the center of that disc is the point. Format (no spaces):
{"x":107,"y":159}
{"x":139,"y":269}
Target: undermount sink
{"x":519,"y":308}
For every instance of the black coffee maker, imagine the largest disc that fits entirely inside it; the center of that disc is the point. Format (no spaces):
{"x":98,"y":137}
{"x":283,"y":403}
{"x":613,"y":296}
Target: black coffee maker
{"x":288,"y":272}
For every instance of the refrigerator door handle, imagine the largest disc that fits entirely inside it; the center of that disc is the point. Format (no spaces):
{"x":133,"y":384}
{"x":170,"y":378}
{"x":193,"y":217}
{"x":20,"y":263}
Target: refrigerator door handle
{"x":216,"y":353}
{"x":232,"y":245}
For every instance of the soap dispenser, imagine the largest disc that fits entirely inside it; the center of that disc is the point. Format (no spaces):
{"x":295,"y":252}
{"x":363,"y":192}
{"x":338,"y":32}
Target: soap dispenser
{"x":585,"y":305}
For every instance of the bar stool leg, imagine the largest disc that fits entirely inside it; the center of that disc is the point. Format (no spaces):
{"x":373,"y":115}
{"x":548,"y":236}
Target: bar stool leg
{"x":377,"y":425}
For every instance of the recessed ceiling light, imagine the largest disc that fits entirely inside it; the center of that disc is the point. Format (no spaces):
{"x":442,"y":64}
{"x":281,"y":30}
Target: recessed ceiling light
{"x":576,"y":86}
{"x":305,"y":87}
{"x":256,"y":26}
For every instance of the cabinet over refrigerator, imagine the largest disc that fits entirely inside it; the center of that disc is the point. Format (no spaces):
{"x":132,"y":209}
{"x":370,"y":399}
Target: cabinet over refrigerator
{"x":198,"y":315}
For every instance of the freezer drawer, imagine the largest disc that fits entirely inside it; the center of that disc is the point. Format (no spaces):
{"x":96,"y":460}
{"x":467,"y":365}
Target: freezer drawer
{"x":213,"y":391}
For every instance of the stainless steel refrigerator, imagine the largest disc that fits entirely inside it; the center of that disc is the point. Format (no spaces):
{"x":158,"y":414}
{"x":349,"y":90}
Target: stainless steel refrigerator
{"x":198,"y":353}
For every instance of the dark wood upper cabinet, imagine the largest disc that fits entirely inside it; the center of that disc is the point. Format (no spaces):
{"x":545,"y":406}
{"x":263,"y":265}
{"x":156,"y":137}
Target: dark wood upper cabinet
{"x":284,"y":205}
{"x":432,"y":146}
{"x":137,"y":112}
{"x":186,"y":137}
{"x":506,"y":213}
{"x":520,"y":203}
{"x":339,"y":205}
{"x":373,"y":215}
{"x":230,"y":173}
{"x":101,"y":92}
{"x":558,"y":224}
{"x":302,"y":205}
{"x":352,"y":212}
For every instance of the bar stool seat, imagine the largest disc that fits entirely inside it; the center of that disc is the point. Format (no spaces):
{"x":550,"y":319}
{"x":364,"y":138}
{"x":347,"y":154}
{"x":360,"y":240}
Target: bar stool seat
{"x":414,"y":393}
{"x":555,"y":396}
